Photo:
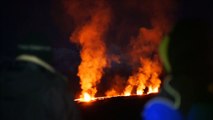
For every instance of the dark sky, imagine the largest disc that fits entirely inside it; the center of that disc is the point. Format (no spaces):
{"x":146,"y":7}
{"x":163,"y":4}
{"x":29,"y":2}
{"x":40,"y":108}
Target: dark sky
{"x":18,"y":17}
{"x":15,"y":13}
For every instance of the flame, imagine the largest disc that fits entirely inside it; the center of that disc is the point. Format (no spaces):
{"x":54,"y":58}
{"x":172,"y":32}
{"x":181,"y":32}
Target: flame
{"x":128,"y":90}
{"x":86,"y":97}
{"x":112,"y":92}
{"x":153,"y":90}
{"x":147,"y":75}
{"x":93,"y":53}
{"x":139,"y":92}
{"x":92,"y":19}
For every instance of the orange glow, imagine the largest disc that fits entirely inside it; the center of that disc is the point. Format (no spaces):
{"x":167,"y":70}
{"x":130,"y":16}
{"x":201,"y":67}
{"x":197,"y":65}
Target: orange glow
{"x":128,"y":90}
{"x":93,"y":53}
{"x":147,"y":76}
{"x":112,"y":93}
{"x":91,"y":19}
{"x":127,"y":93}
{"x":139,"y":92}
{"x":153,"y":90}
{"x":86,"y":97}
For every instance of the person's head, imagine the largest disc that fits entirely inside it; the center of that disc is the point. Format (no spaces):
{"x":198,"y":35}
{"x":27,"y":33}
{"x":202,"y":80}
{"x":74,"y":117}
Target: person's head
{"x":190,"y":50}
{"x":191,"y":55}
{"x":187,"y":54}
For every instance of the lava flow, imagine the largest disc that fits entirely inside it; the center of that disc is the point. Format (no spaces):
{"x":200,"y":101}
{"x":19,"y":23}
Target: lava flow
{"x":90,"y":99}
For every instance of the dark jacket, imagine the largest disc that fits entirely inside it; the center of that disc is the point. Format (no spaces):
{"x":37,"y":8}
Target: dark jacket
{"x":30,"y":91}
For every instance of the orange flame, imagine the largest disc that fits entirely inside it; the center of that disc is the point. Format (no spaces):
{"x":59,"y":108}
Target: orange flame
{"x":92,"y":19}
{"x":86,"y":97}
{"x":90,"y":37}
{"x":147,"y":76}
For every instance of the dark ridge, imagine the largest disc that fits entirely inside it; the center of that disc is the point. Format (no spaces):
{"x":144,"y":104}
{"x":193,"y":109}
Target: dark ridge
{"x":116,"y":108}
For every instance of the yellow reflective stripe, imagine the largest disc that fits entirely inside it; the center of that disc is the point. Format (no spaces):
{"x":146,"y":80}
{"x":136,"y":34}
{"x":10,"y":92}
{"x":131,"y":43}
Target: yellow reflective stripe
{"x":172,"y":91}
{"x":163,"y":52}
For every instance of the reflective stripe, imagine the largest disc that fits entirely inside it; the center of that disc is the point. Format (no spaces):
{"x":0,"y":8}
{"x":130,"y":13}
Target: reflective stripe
{"x":172,"y":91}
{"x":36,"y":60}
{"x":34,"y":47}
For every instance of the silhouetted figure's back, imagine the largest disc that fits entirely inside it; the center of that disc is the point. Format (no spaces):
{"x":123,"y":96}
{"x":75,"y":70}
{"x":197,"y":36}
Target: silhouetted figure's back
{"x":191,"y":58}
{"x":32,"y":92}
{"x":31,"y":89}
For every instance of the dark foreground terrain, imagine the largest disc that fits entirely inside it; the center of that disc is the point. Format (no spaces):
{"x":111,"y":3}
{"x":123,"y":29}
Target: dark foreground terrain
{"x":118,"y":108}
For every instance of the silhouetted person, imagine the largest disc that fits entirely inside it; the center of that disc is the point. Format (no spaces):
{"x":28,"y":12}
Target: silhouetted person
{"x":31,"y":89}
{"x":187,"y":54}
{"x":191,"y":57}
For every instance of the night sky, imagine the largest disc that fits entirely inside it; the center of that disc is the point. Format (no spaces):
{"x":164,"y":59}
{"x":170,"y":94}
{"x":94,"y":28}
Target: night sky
{"x":50,"y":17}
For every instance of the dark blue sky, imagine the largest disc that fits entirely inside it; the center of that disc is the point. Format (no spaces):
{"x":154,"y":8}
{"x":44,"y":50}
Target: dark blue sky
{"x":16,"y":13}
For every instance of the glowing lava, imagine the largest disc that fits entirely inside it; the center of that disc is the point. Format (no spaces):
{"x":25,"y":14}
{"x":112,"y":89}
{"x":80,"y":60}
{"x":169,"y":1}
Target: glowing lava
{"x":86,"y":97}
